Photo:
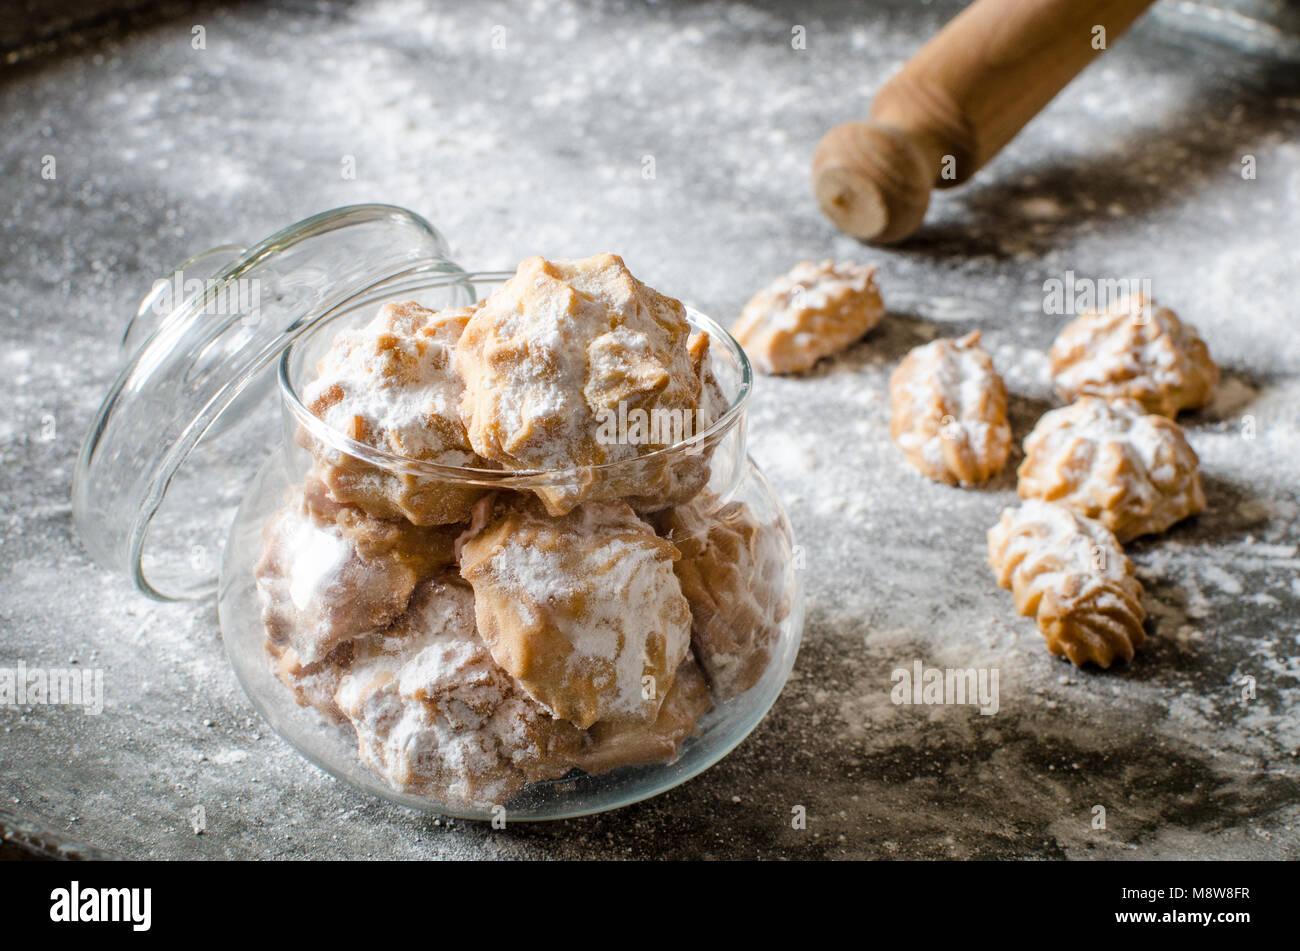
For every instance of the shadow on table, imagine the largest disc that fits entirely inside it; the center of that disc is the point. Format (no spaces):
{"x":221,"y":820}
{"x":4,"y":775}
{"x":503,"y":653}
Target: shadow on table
{"x":44,"y":33}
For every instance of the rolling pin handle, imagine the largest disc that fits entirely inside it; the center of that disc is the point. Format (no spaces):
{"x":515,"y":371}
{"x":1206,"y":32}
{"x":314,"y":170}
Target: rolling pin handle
{"x":962,"y":97}
{"x":872,"y":181}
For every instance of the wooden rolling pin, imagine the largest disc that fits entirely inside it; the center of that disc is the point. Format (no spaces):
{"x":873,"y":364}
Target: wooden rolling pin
{"x":955,"y":104}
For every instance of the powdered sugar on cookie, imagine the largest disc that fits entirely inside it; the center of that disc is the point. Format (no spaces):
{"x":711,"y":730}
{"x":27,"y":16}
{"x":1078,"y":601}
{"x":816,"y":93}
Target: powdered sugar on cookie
{"x":950,"y":411}
{"x":390,"y":384}
{"x":584,"y":609}
{"x":1111,"y":460}
{"x":1138,"y":350}
{"x":434,"y":714}
{"x":1069,"y":573}
{"x":812,"y":311}
{"x":557,"y":347}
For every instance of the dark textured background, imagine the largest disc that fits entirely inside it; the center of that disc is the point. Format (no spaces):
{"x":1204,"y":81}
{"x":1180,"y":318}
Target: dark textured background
{"x":163,"y":150}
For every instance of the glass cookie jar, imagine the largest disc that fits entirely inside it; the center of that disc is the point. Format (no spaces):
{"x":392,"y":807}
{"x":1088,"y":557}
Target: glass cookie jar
{"x":206,"y":436}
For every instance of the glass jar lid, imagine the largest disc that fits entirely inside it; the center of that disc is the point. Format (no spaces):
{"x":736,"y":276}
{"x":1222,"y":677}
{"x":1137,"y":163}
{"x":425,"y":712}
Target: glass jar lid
{"x":186,"y":422}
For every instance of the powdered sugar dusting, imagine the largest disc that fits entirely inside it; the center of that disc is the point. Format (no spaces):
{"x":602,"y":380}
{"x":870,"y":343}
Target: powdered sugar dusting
{"x":1135,"y":349}
{"x":949,"y":411}
{"x":559,"y":343}
{"x":598,"y":582}
{"x":1112,"y":460}
{"x":435,"y":714}
{"x":390,"y":384}
{"x":1058,"y":549}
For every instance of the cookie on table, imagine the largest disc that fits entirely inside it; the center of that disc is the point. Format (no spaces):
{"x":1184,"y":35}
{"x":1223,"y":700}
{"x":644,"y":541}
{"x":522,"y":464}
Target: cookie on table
{"x":1137,"y":350}
{"x":949,"y":411}
{"x":1111,"y":460}
{"x":813,"y":311}
{"x":1070,"y":574}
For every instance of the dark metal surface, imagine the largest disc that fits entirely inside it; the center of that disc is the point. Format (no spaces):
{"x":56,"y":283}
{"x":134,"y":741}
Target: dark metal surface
{"x":539,"y":145}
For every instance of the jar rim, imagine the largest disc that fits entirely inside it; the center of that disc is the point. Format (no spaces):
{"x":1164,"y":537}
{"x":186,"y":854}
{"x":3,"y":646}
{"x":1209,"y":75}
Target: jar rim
{"x":520,"y":478}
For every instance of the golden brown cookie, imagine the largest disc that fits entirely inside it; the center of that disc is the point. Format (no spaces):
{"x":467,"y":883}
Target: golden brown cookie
{"x":610,"y":745}
{"x":423,"y":549}
{"x":436,"y":716}
{"x":732,"y":573}
{"x":811,"y":312}
{"x":950,"y":411}
{"x":583,"y":609}
{"x":654,"y":483}
{"x":330,"y":573}
{"x":312,"y":685}
{"x":1070,"y":573}
{"x":390,"y":386}
{"x":1110,"y":460}
{"x":1134,"y":349}
{"x":559,"y":351}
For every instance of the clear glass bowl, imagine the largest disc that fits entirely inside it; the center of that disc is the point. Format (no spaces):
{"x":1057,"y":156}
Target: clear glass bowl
{"x":333,"y":747}
{"x":159,"y":472}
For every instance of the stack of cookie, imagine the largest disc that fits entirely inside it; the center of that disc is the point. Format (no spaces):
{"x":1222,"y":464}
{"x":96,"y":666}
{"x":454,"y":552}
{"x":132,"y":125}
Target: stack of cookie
{"x":1108,"y":467}
{"x":477,"y":639}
